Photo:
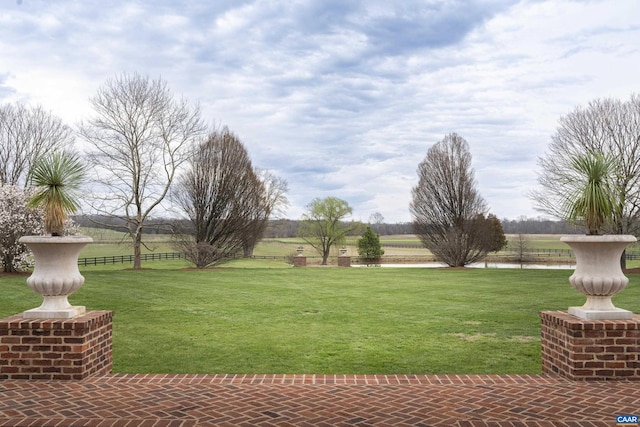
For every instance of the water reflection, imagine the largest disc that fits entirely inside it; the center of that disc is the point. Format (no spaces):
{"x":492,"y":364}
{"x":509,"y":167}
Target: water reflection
{"x":478,"y":265}
{"x":523,"y":266}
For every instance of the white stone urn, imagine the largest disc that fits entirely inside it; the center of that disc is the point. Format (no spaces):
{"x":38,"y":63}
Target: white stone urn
{"x":55,"y":275}
{"x":598,"y":274}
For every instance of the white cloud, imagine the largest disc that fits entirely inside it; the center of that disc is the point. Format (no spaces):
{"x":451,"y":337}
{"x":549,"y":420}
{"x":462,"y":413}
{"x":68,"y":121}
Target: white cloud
{"x":343,"y":98}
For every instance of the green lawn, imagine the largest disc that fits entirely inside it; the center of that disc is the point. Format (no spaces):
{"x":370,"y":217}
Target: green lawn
{"x":271,"y":319}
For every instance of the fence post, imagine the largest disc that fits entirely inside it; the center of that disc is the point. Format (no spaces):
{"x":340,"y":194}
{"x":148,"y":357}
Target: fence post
{"x":300,"y":260}
{"x":344,"y":260}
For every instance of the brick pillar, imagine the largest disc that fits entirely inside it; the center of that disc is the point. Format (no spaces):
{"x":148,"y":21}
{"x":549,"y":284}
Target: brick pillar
{"x":299,"y":261}
{"x":590,"y":350}
{"x":344,"y":261}
{"x":56,"y":349}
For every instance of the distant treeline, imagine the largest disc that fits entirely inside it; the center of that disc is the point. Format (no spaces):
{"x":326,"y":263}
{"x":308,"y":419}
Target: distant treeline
{"x":281,"y":228}
{"x":526,"y":225}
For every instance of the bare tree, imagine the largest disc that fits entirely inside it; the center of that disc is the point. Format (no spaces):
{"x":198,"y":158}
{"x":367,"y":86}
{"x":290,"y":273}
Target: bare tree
{"x":521,"y":247}
{"x":222,"y":196}
{"x":376,"y":218}
{"x":26,"y":133}
{"x":608,"y":126}
{"x":376,"y":221}
{"x":140,"y":135}
{"x":273,"y":203}
{"x":447,"y":209}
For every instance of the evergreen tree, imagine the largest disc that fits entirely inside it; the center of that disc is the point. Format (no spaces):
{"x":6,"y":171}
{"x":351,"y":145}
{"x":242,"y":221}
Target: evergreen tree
{"x":369,"y":245}
{"x":497,"y":239}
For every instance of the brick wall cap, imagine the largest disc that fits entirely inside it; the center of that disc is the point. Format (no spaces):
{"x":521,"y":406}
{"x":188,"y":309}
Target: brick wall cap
{"x":572,"y":322}
{"x":85,"y":321}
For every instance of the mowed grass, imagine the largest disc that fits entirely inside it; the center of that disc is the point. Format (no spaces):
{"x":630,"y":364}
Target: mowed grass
{"x":322,"y":320}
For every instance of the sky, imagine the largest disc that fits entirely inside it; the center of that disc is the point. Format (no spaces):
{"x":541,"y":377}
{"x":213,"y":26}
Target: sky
{"x":342,"y":98}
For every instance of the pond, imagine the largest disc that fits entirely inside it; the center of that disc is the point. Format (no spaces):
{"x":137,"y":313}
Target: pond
{"x":478,"y":265}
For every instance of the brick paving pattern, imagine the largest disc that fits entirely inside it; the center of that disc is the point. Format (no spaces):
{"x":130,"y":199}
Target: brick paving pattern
{"x":317,"y":400}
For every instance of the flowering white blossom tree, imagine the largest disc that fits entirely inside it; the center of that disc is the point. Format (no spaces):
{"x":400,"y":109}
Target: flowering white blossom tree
{"x":16,"y":220}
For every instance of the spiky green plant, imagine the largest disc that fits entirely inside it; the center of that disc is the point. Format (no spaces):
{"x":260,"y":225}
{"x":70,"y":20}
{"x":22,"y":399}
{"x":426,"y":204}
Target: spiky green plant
{"x":594,"y":200}
{"x":57,"y":180}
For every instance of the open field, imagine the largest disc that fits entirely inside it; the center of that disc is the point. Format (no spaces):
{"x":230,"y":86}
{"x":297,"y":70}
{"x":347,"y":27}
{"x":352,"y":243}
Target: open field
{"x":109,"y":243}
{"x":322,"y":320}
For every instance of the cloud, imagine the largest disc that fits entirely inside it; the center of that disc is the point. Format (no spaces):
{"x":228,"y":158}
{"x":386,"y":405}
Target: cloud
{"x":407,"y":27}
{"x":5,"y":90}
{"x":343,"y":98}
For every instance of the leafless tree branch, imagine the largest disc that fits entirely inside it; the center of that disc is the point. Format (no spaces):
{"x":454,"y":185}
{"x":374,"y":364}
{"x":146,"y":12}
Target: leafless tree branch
{"x":226,"y":201}
{"x":606,"y":125}
{"x":448,"y":211}
{"x":141,"y":136}
{"x":26,"y":133}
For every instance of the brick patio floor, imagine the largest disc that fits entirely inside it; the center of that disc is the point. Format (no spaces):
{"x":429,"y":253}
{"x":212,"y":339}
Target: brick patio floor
{"x":317,"y":400}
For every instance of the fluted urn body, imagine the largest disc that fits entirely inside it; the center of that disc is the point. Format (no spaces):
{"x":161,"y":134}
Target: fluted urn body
{"x":55,"y":275}
{"x":598,"y":274}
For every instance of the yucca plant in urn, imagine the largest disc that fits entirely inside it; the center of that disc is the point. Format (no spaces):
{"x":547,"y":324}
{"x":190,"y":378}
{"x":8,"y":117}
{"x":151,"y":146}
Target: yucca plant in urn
{"x":598,"y":273}
{"x":56,"y":179}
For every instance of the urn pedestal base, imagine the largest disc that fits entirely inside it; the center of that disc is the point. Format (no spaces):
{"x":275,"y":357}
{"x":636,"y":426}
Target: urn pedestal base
{"x":344,"y":261}
{"x":299,"y":261}
{"x":44,"y":313}
{"x":615,"y":314}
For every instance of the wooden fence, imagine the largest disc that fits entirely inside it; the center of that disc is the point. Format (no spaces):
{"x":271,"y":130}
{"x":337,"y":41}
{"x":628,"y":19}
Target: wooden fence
{"x":121,"y":259}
